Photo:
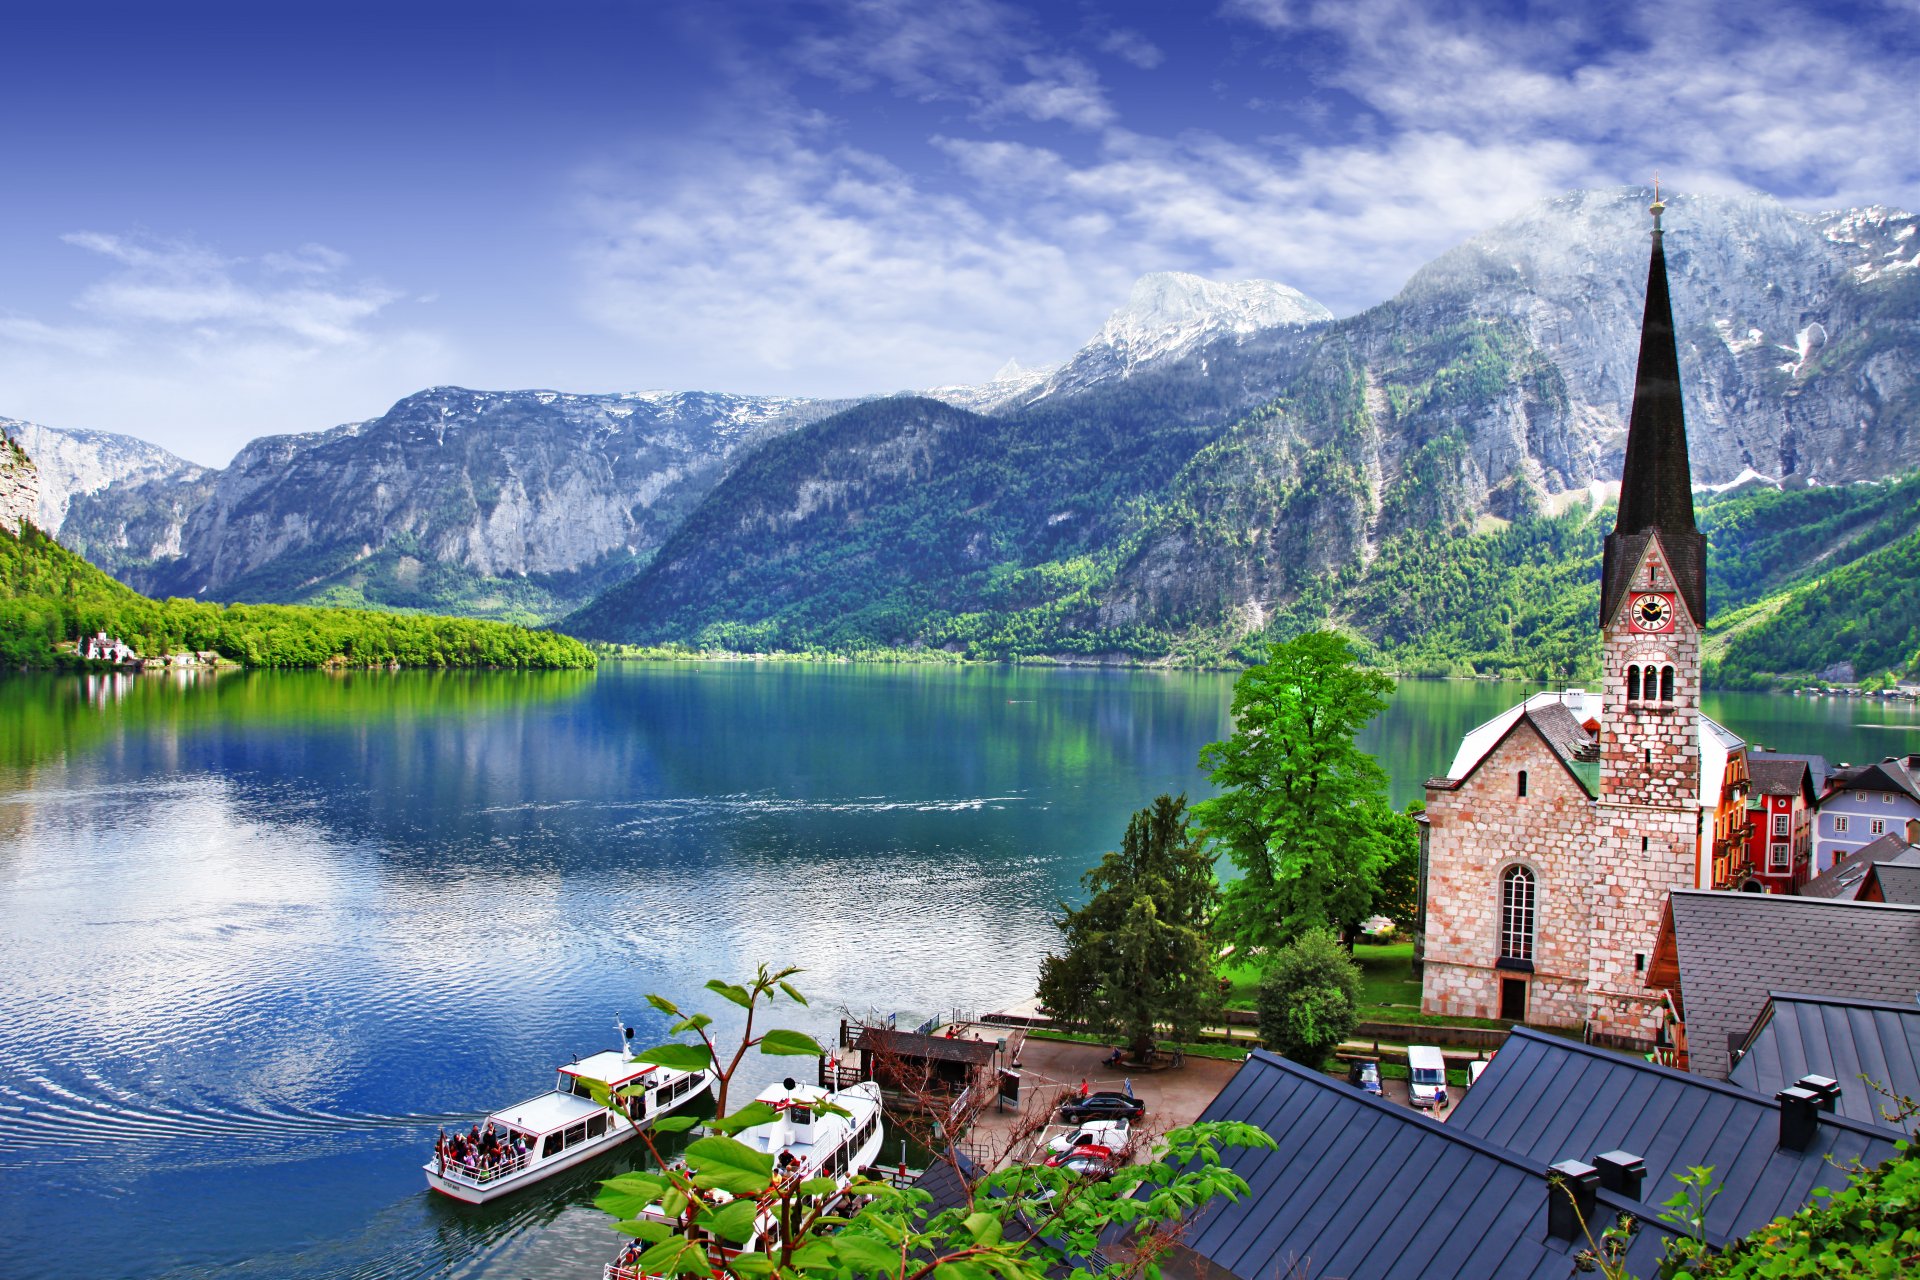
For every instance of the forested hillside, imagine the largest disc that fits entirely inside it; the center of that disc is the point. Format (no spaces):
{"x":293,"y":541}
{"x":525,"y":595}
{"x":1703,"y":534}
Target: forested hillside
{"x":50,"y":596}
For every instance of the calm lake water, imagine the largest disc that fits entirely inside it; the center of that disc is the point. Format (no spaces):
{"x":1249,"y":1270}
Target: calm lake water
{"x":261,"y":934}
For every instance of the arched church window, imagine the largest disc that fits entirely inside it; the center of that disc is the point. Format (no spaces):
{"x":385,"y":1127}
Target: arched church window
{"x":1523,"y":782}
{"x":1516,"y":914}
{"x":1666,"y":684}
{"x":1633,"y":684}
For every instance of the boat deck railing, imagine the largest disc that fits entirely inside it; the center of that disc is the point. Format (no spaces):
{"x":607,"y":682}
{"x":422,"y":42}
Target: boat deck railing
{"x":482,"y":1176}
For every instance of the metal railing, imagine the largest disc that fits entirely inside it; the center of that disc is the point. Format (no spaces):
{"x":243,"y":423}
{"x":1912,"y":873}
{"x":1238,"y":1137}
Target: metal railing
{"x":481,"y":1175}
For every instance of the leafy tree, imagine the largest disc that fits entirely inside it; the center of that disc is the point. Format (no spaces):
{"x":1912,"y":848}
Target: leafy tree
{"x":1302,"y":811}
{"x":1309,"y":999}
{"x":1139,"y":955}
{"x":1026,"y":1222}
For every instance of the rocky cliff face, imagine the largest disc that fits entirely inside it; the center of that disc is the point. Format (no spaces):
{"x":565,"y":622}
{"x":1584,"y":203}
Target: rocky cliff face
{"x":1496,"y":384}
{"x":19,"y":487}
{"x":493,"y":484}
{"x":72,"y":463}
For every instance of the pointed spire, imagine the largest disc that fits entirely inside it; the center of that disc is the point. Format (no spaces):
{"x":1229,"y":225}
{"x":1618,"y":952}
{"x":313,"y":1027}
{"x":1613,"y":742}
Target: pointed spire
{"x":1656,"y":481}
{"x":1656,"y":484}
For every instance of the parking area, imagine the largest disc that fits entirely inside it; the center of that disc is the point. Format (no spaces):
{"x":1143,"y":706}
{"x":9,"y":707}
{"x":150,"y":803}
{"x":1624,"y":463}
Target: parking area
{"x":1051,"y":1070}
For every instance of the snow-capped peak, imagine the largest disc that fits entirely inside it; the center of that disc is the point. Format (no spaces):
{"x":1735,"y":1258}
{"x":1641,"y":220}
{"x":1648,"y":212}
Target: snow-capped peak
{"x":1171,"y":311}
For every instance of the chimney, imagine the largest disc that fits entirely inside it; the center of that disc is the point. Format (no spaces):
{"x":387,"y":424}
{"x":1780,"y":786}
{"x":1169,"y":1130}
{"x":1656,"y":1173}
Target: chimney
{"x":1571,"y":1191}
{"x":1799,"y":1117}
{"x":1826,"y":1087}
{"x":1913,"y":830}
{"x":1622,"y":1173}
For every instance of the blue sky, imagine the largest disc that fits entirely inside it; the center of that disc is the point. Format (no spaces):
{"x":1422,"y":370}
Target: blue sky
{"x":223,"y":221}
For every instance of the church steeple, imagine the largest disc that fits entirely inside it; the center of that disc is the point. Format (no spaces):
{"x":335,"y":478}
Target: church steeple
{"x":1656,"y":482}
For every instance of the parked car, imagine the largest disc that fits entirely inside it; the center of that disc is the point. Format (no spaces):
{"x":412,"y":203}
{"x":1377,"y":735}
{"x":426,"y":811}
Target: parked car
{"x":1474,"y":1072}
{"x":1103,"y":1133}
{"x":1102,"y":1106}
{"x":1427,"y":1076}
{"x":1090,"y":1160}
{"x":1365,"y":1075}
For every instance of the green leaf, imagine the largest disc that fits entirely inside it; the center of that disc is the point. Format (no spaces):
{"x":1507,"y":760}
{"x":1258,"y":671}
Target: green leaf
{"x":983,"y":1228}
{"x":790,"y":1044}
{"x":675,"y":1124}
{"x":730,"y":1166}
{"x":755,"y":1265}
{"x":732,"y":1221}
{"x":674,"y":1257}
{"x":792,"y":995}
{"x":622,"y":1204}
{"x":866,"y":1254}
{"x":819,"y":1187}
{"x":678,"y":1057}
{"x":729,"y":991}
{"x":653,"y":1232}
{"x":664,"y":1005}
{"x":693,"y":1022}
{"x":755,"y":1112}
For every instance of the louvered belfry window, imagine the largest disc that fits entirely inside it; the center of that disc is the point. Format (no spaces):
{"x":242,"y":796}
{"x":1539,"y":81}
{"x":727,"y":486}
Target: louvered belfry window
{"x":1516,"y":914}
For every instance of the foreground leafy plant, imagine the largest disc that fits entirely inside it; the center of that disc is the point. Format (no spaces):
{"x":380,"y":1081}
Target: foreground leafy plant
{"x":725,"y":1210}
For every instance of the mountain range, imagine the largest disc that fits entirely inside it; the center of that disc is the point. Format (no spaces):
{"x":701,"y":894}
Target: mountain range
{"x":1218,"y":459}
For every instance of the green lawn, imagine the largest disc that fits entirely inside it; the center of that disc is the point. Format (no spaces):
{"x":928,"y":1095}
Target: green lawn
{"x":1389,"y":990}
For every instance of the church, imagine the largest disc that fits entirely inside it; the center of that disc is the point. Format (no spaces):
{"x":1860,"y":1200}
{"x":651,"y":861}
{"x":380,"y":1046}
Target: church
{"x":1552,"y":842}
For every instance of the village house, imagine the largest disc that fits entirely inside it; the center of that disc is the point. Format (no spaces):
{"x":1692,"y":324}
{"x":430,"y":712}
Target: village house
{"x":1551,"y":844}
{"x":101,"y":647}
{"x":1863,"y":803}
{"x":1780,"y":807}
{"x":1849,"y":879}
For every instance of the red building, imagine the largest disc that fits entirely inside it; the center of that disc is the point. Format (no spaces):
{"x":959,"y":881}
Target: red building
{"x":1780,"y":804}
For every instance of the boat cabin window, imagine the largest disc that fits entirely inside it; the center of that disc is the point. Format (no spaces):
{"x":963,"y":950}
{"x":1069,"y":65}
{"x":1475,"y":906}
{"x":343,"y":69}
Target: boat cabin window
{"x":596,"y":1124}
{"x":800,"y":1115}
{"x":578,"y":1087}
{"x":576,"y":1134}
{"x":551,"y":1147}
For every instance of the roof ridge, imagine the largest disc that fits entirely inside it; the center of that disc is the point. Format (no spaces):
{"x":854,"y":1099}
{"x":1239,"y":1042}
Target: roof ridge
{"x":1790,"y":897}
{"x":1688,"y":1078}
{"x":1472,"y":1141}
{"x":1852,"y":1002}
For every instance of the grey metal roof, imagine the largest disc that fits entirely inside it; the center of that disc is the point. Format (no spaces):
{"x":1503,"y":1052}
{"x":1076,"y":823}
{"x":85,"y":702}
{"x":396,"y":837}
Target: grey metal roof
{"x":1733,"y":948}
{"x":1899,"y":880}
{"x":1553,"y":1099}
{"x":1837,"y":1037}
{"x":1844,"y":878}
{"x":1363,"y":1189}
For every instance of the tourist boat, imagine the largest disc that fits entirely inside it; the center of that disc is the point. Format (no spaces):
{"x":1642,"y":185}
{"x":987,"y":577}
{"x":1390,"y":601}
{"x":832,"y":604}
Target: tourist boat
{"x":805,"y":1142}
{"x":564,"y":1126}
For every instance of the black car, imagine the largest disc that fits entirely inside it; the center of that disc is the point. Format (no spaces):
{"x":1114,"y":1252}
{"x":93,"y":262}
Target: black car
{"x":1102,"y":1106}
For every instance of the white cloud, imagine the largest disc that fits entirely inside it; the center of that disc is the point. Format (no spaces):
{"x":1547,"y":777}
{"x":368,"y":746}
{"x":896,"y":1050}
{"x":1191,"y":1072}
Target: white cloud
{"x":986,"y":55}
{"x":810,"y":266}
{"x":797,"y":259}
{"x":200,"y":352}
{"x":1130,"y":46}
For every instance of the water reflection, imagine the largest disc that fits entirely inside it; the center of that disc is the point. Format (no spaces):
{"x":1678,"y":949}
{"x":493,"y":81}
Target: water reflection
{"x":265,"y":932}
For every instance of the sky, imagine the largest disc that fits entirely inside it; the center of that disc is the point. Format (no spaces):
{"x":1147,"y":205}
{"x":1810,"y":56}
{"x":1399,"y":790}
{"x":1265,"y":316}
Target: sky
{"x":225,"y":221}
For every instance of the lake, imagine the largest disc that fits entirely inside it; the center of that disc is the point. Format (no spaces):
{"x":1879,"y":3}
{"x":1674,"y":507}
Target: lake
{"x":264,"y":932}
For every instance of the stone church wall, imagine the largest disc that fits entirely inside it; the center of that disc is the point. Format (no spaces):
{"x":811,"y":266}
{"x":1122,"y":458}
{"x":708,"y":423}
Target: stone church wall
{"x":1478,"y":830}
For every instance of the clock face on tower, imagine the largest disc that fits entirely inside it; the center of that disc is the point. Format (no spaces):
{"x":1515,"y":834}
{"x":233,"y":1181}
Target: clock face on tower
{"x":1651,"y":612}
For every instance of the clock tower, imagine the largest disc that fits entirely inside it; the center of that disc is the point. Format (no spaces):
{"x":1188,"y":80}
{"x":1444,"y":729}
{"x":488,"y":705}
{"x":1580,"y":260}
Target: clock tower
{"x":1653,"y":604}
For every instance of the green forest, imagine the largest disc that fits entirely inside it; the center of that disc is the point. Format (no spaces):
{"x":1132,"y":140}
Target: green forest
{"x":50,"y":598}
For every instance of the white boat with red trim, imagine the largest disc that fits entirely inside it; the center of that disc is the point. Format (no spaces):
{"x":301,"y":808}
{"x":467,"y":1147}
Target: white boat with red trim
{"x":519,"y":1145}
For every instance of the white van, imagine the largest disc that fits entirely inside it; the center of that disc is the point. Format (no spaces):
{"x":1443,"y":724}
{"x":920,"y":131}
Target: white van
{"x":1427,"y":1076}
